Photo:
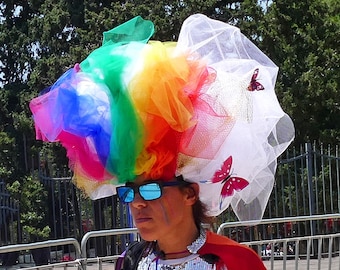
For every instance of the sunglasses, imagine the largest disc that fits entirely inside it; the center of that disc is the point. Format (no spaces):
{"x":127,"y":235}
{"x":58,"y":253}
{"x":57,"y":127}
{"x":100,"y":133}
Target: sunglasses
{"x":148,"y":191}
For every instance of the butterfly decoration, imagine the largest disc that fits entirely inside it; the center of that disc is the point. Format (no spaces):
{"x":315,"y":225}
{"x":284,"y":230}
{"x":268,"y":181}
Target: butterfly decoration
{"x":230,"y":183}
{"x":254,"y":84}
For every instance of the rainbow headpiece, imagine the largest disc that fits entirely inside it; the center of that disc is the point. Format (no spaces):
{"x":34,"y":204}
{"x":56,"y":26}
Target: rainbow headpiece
{"x":204,"y":108}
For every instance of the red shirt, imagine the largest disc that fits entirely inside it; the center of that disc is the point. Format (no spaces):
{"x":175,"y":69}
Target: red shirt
{"x":232,"y":254}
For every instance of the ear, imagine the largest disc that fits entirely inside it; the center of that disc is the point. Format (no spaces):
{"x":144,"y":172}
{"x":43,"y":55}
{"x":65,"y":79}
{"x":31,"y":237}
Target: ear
{"x":191,"y":193}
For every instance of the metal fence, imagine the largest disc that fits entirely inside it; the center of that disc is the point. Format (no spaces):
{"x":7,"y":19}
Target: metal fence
{"x":9,"y":213}
{"x":307,"y":183}
{"x":308,"y":252}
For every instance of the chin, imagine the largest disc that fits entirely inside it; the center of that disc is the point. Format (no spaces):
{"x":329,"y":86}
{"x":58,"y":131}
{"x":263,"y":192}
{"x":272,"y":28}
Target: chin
{"x":147,"y":234}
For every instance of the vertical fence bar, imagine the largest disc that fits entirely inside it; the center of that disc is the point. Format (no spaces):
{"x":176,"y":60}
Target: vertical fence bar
{"x":330,"y":252}
{"x":330,"y":178}
{"x":277,"y":229}
{"x":337,"y":174}
{"x":66,"y":211}
{"x":60,"y":211}
{"x":316,"y":182}
{"x":303,"y":176}
{"x":309,"y":245}
{"x":311,"y":197}
{"x":283,"y":195}
{"x":269,"y":205}
{"x":339,"y":254}
{"x":323,"y":180}
{"x":290,"y":191}
{"x":284,"y":255}
{"x":305,"y":207}
{"x":319,"y":209}
{"x":319,"y":239}
{"x":296,"y":185}
{"x":297,"y":252}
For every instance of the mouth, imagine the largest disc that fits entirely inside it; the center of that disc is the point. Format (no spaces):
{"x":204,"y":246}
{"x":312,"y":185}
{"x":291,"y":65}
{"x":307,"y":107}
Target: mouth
{"x":141,"y":220}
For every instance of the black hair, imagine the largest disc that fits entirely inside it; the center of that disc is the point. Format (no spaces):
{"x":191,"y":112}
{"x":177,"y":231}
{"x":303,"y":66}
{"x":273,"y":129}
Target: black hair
{"x":199,"y":209}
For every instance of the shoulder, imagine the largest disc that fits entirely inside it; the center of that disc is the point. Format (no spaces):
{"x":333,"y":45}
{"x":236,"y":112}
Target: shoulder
{"x":220,"y":241}
{"x":133,"y":254}
{"x":234,"y":255}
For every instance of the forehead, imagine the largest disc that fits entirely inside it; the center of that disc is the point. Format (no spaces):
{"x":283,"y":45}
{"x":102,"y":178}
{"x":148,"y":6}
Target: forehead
{"x":139,"y":180}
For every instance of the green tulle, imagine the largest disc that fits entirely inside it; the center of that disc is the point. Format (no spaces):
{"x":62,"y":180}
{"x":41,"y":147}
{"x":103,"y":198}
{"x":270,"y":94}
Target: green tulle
{"x":136,"y":29}
{"x":106,"y":65}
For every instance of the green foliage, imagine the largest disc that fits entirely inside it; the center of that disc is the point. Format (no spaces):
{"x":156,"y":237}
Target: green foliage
{"x":14,"y":40}
{"x":326,"y":188}
{"x":32,"y":198}
{"x":302,"y":39}
{"x":40,"y":39}
{"x":7,"y":164}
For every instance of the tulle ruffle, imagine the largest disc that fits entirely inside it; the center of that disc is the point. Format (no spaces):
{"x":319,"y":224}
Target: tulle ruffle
{"x":203,"y":107}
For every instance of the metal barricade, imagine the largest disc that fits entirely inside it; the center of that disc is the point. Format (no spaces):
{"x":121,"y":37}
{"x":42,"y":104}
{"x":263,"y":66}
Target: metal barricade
{"x":44,"y":244}
{"x":94,"y":234}
{"x":279,"y":228}
{"x":307,"y":252}
{"x":275,"y":221}
{"x":327,"y":256}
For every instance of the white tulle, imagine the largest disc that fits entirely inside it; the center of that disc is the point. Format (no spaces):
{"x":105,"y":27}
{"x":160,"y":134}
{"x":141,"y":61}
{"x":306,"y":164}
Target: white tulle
{"x":262,"y":130}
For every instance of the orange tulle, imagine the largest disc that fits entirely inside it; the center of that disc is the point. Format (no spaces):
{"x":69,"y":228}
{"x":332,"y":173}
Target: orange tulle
{"x":164,"y":93}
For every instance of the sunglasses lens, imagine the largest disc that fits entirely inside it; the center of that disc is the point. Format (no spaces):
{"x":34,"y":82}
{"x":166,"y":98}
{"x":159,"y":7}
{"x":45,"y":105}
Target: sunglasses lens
{"x":151,"y":191}
{"x":126,"y":194}
{"x":148,"y":192}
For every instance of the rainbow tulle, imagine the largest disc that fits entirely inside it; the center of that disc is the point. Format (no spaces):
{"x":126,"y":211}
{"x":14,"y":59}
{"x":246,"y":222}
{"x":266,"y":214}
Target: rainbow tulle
{"x":135,"y":106}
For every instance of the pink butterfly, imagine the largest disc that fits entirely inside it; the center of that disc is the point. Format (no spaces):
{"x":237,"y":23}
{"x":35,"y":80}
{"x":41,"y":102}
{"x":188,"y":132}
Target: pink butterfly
{"x":255,"y":85}
{"x":230,"y":183}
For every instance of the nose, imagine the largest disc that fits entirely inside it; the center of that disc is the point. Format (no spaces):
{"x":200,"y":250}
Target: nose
{"x":138,"y":202}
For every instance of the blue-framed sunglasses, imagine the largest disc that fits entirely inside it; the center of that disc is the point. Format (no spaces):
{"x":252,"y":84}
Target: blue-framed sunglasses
{"x":148,"y":191}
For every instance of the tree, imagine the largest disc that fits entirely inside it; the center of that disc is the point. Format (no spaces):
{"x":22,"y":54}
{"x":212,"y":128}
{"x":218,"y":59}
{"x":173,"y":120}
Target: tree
{"x":302,"y":39}
{"x":15,"y":66}
{"x":41,"y":39}
{"x":32,"y":196}
{"x":15,"y":51}
{"x":7,"y":163}
{"x":44,"y":38}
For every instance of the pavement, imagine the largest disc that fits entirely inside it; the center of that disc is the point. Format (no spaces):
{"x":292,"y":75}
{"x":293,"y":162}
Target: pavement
{"x":290,"y":264}
{"x":313,"y":264}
